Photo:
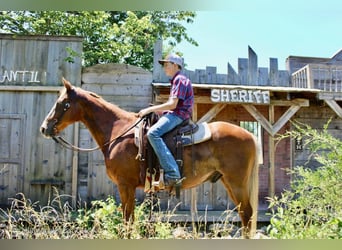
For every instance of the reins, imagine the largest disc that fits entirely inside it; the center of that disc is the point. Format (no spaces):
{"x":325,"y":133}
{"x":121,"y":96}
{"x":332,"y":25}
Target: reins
{"x":70,"y":146}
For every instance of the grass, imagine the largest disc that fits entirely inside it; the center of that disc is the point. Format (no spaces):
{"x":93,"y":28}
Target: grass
{"x":103,"y":220}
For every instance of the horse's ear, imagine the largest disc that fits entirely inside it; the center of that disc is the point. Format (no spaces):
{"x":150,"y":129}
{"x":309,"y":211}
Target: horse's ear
{"x":67,"y":84}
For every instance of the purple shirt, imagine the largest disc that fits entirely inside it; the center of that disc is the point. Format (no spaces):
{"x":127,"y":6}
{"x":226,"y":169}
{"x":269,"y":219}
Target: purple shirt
{"x":181,"y":88}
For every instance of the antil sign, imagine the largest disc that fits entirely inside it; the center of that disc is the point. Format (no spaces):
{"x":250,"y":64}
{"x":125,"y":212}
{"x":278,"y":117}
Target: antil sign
{"x":240,"y":96}
{"x":21,"y":76}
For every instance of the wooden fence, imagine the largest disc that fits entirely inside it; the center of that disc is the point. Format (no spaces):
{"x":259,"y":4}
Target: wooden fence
{"x":128,"y":87}
{"x":249,"y":74}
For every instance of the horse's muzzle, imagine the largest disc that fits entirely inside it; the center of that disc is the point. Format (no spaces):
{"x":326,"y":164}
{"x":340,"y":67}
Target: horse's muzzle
{"x":43,"y":131}
{"x":48,"y":129}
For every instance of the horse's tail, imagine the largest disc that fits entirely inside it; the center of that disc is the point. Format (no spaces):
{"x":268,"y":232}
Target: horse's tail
{"x":254,"y":189}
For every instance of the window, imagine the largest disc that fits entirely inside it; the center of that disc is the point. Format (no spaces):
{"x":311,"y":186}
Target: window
{"x":255,"y":128}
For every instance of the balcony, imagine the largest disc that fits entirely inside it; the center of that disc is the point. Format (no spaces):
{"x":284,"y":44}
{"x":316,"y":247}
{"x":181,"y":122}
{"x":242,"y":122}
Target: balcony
{"x":325,"y":77}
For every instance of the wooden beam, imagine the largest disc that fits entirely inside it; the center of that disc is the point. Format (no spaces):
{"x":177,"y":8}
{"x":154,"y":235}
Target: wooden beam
{"x":212,"y":112}
{"x":259,"y":117}
{"x":337,"y":96}
{"x":298,"y":101}
{"x":285,"y":118}
{"x":206,"y":100}
{"x":334,"y":106}
{"x":280,"y":89}
{"x":193,"y":191}
{"x":31,"y":88}
{"x":272,"y":129}
{"x":271,"y":155}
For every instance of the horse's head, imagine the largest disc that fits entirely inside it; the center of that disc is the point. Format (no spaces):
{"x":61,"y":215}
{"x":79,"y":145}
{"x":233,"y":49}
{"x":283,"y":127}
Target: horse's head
{"x":63,"y":113}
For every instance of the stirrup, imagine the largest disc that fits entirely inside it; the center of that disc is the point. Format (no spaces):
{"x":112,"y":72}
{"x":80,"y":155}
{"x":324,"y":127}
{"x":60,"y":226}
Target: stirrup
{"x":160,"y":183}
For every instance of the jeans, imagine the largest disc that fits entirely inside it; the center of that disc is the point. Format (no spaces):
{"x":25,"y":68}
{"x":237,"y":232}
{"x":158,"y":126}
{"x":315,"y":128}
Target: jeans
{"x":165,"y":124}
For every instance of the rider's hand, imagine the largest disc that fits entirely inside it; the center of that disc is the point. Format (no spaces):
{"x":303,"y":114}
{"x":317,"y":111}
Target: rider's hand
{"x":143,"y":112}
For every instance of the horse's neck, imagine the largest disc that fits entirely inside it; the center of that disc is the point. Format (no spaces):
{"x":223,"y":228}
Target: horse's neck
{"x":106,"y":121}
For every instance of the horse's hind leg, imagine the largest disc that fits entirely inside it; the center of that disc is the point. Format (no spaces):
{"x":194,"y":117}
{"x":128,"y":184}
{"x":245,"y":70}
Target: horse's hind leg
{"x":239,"y":194}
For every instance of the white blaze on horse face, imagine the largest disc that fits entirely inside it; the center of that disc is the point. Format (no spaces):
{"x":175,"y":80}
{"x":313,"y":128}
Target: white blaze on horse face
{"x":46,"y":128}
{"x":45,"y":123}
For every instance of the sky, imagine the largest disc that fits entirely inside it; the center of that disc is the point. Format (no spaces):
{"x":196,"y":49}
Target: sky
{"x":272,"y":28}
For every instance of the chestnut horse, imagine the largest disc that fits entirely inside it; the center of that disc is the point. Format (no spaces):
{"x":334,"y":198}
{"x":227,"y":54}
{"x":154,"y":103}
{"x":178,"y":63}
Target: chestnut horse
{"x":231,"y":151}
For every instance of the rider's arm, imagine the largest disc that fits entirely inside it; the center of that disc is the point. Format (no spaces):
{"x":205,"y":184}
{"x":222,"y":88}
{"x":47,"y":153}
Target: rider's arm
{"x":169,"y":105}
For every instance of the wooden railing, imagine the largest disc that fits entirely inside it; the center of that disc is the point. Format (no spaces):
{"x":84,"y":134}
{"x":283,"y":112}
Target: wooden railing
{"x":319,"y":76}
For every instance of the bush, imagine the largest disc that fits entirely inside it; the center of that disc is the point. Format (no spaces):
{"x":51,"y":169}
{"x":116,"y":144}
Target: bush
{"x":312,"y":208}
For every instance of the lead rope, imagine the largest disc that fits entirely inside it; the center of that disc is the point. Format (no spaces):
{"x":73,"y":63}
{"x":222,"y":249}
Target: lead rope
{"x":68,"y":145}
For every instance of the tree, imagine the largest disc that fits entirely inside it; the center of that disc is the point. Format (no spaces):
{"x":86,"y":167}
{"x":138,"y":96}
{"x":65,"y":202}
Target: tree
{"x":109,"y":36}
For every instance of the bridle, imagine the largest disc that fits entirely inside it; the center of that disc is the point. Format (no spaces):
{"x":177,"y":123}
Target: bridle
{"x":68,"y":145}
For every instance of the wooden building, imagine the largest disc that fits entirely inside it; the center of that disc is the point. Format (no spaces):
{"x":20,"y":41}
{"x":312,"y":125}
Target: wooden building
{"x":263,"y":100}
{"x":30,"y":78}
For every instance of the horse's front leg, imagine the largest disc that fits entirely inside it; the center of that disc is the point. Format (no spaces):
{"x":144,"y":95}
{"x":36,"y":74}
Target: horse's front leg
{"x":127,"y":196}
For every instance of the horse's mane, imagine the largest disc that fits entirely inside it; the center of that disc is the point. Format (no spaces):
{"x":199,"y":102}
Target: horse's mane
{"x":87,"y":92}
{"x":95,"y":95}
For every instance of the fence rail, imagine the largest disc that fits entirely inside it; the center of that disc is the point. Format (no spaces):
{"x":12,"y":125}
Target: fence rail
{"x":319,"y":76}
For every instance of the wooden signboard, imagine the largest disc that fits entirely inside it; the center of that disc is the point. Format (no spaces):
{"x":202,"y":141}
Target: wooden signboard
{"x":240,"y":96}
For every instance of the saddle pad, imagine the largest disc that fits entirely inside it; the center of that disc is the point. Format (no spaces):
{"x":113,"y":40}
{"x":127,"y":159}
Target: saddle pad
{"x":202,"y":134}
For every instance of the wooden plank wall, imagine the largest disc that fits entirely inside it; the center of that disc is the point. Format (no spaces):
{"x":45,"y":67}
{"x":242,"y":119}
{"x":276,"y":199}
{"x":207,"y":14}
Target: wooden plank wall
{"x":129,"y":88}
{"x":31,"y":68}
{"x":11,"y":153}
{"x":315,"y":116}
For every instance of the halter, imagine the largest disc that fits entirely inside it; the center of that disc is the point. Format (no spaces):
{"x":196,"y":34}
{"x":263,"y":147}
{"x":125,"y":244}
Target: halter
{"x":68,"y":145}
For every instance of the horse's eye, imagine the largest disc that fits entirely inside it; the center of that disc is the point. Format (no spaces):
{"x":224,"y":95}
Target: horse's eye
{"x":66,"y":106}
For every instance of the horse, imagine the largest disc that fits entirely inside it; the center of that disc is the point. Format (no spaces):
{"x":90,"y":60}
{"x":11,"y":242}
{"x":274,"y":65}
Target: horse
{"x":231,"y":151}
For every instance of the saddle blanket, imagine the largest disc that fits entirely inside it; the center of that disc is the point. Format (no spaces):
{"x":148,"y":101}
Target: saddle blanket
{"x":202,"y":134}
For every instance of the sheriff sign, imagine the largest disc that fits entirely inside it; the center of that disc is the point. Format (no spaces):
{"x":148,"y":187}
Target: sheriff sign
{"x":240,"y":96}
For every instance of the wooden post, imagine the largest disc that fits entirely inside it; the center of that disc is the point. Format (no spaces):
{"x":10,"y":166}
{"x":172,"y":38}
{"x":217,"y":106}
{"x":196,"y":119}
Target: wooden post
{"x":157,"y":55}
{"x":310,"y":77}
{"x":273,"y":75}
{"x":75,"y":167}
{"x":193,"y":190}
{"x":252,"y":76}
{"x":271,"y":152}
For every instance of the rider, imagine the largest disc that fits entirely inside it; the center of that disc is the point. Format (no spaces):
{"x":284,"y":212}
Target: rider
{"x":177,"y":109}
